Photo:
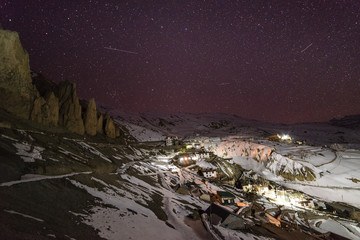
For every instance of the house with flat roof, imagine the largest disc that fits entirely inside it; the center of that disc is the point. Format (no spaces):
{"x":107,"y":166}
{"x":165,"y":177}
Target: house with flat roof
{"x":209,"y":173}
{"x":225,"y":198}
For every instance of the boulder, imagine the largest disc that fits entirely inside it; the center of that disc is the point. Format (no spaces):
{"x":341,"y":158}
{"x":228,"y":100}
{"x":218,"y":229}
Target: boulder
{"x":110,"y":127}
{"x":91,"y":118}
{"x":17,"y":92}
{"x":70,"y":108}
{"x":100,"y":123}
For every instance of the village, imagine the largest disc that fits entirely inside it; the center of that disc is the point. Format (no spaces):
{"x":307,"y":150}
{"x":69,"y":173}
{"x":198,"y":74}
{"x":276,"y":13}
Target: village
{"x":245,"y":200}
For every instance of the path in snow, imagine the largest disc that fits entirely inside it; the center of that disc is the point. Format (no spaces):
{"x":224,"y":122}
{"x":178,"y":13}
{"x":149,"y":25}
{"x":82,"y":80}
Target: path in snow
{"x":34,"y":178}
{"x":336,"y":156}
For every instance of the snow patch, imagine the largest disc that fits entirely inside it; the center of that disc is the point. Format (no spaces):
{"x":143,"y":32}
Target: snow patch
{"x":28,"y":152}
{"x":23,"y":215}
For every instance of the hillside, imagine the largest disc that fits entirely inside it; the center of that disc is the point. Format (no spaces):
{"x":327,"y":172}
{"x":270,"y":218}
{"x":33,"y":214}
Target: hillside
{"x":112,"y":188}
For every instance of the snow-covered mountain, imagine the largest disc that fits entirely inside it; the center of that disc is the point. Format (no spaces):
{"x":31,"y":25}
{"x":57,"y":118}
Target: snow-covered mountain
{"x":156,"y":126}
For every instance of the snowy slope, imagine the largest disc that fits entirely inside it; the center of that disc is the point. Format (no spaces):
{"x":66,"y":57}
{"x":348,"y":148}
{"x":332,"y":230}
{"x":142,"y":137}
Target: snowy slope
{"x":100,"y":189}
{"x":156,"y":126}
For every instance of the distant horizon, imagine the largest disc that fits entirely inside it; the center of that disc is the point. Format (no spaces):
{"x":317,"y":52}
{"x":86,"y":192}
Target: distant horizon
{"x":212,"y":113}
{"x":194,"y":113}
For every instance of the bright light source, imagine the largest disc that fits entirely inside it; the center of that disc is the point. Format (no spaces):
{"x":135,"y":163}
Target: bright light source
{"x":284,"y":137}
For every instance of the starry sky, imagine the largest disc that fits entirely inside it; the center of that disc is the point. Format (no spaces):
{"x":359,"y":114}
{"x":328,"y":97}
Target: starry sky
{"x":276,"y":61}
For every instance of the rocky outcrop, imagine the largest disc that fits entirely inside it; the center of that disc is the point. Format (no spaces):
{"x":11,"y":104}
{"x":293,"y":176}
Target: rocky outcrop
{"x":91,"y":118}
{"x":53,"y":104}
{"x":36,"y":114}
{"x":100,"y":124}
{"x":235,"y":147}
{"x":289,"y":169}
{"x":46,"y":111}
{"x":110,"y":127}
{"x":355,"y":215}
{"x":51,"y":111}
{"x":70,"y":108}
{"x":16,"y":90}
{"x":117,"y":131}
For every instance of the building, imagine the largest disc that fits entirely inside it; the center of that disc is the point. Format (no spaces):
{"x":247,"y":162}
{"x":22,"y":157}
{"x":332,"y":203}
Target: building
{"x":225,"y":198}
{"x":171,"y":141}
{"x":185,"y":159}
{"x":220,"y":215}
{"x":281,"y":138}
{"x":209,"y":173}
{"x":308,"y":203}
{"x":194,"y":146}
{"x":202,"y":155}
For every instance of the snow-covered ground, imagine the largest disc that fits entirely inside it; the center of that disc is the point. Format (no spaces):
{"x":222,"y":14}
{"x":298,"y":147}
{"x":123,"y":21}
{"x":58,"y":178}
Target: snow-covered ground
{"x":136,"y":197}
{"x":335,"y":171}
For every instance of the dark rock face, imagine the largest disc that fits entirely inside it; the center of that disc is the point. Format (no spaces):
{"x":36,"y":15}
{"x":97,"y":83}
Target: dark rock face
{"x":110,"y":127}
{"x":70,"y":108}
{"x":16,"y":90}
{"x":91,"y":118}
{"x":42,"y":84}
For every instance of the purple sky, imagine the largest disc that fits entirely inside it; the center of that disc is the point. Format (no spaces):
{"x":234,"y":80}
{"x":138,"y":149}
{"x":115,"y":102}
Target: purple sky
{"x":278,"y":61}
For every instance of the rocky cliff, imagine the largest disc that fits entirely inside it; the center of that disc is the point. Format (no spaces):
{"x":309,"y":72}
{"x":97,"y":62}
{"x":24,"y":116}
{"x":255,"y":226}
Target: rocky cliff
{"x":17,"y":92}
{"x":41,"y":100}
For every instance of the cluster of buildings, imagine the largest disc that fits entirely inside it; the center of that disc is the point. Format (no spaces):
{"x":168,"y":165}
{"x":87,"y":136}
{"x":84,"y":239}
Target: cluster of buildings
{"x":252,"y":183}
{"x":172,"y":141}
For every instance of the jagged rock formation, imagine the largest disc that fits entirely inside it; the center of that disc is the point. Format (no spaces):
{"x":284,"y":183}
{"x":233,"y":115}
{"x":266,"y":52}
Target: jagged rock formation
{"x":16,"y":90}
{"x":36,"y":114}
{"x":70,"y":108}
{"x":110,"y":127}
{"x":46,"y":111}
{"x":51,"y":111}
{"x":100,"y":123}
{"x":91,"y":118}
{"x":117,"y":131}
{"x":53,"y":104}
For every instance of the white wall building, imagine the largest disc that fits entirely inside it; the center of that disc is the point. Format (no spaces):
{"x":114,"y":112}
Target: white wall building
{"x":210,"y":173}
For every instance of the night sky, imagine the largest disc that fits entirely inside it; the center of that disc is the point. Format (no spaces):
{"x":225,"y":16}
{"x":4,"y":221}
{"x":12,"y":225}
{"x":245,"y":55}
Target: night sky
{"x":278,"y":61}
